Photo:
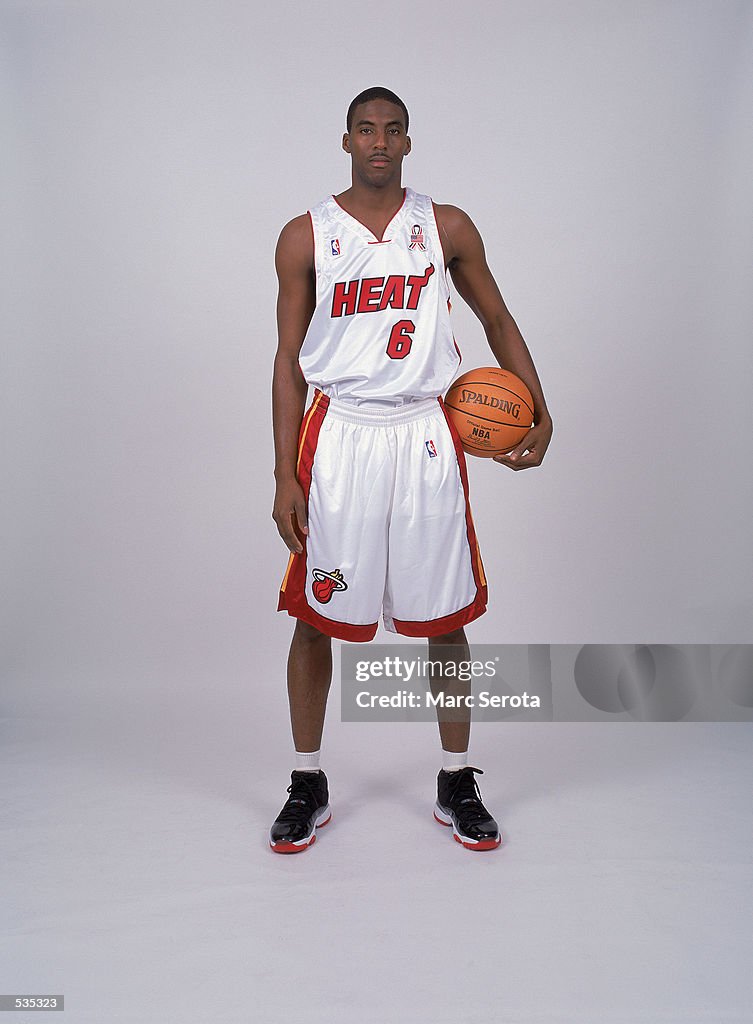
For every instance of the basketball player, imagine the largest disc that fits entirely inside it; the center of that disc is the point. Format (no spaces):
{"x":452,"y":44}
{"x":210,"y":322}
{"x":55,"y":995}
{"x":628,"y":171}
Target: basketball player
{"x":371,"y":485}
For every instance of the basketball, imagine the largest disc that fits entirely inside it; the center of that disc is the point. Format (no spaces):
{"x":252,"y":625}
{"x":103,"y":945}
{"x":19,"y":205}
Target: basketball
{"x":491,"y":409}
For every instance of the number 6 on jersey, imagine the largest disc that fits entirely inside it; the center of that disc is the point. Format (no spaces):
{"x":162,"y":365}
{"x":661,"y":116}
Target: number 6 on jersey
{"x":400,"y":341}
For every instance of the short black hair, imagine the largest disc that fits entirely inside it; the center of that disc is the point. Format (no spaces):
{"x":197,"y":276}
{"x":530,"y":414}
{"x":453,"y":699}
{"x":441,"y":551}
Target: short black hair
{"x":377,"y":92}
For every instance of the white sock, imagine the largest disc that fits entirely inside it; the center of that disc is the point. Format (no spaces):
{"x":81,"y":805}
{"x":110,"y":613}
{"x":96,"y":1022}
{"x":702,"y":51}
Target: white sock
{"x":452,"y":761}
{"x":307,"y":761}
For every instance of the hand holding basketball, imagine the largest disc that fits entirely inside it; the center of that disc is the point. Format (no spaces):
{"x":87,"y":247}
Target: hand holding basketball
{"x":530,"y":451}
{"x":492,"y":411}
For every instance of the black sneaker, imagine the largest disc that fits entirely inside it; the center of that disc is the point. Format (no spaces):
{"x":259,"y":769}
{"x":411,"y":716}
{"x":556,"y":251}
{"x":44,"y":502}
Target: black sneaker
{"x":305,"y":810}
{"x":459,"y":805}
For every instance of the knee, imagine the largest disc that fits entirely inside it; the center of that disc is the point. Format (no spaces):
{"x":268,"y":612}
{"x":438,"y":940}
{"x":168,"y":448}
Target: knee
{"x":310,"y":634}
{"x":456,"y":636}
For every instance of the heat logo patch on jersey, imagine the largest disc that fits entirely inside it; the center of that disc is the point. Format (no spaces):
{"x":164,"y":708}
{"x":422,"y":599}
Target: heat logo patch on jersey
{"x":326,"y":584}
{"x":334,"y":244}
{"x":417,"y":238}
{"x":431,"y":449}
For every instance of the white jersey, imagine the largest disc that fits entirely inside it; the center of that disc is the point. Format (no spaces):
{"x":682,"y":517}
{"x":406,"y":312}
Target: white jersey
{"x":381,"y":331}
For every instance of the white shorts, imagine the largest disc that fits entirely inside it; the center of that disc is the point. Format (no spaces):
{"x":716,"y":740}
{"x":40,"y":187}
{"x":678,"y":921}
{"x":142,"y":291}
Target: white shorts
{"x":390,"y":525}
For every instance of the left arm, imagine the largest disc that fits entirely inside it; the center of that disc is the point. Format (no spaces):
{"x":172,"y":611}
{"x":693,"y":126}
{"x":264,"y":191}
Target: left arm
{"x":466,"y":261}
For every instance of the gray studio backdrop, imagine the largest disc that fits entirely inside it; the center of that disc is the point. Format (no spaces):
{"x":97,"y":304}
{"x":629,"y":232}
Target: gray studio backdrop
{"x":152,"y":154}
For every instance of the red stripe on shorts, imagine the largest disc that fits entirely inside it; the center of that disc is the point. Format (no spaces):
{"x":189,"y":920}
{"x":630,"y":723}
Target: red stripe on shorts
{"x":447,"y":624}
{"x":293,"y":588}
{"x":477,"y":607}
{"x":478,"y":567}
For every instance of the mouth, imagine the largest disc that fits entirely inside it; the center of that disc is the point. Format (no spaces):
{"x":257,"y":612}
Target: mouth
{"x":379,"y":161}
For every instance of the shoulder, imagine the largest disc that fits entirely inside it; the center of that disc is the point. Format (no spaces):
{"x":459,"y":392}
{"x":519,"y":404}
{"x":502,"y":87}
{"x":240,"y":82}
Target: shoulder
{"x":451,"y":216}
{"x":456,"y":229}
{"x":295,"y":246}
{"x":296,"y":232}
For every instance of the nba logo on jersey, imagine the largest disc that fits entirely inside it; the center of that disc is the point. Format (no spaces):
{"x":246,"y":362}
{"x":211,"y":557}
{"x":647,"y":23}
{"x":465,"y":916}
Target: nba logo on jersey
{"x":417,"y":238}
{"x":335,"y":246}
{"x":431,"y":449}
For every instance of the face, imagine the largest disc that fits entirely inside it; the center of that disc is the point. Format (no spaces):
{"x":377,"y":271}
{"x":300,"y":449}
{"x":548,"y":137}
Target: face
{"x":377,"y":142}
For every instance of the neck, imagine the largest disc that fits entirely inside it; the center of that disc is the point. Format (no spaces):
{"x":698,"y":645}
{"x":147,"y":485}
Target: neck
{"x":368,"y":197}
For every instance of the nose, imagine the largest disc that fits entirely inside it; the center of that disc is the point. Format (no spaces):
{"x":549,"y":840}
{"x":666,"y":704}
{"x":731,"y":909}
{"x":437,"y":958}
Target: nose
{"x":380,"y":140}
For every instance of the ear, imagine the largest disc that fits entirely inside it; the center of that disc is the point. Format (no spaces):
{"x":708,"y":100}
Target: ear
{"x":407,"y":144}
{"x":346,"y":142}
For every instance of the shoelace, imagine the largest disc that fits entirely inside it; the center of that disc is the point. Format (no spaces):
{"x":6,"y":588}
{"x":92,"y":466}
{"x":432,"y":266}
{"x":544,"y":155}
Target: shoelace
{"x":465,"y":797}
{"x":303,"y":800}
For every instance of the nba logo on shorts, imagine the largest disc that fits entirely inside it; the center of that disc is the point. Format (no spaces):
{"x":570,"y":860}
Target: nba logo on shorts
{"x":431,"y":449}
{"x":335,"y":246}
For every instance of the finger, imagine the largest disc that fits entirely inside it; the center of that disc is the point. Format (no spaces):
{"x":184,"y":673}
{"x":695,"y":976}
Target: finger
{"x":300,"y":515}
{"x":292,"y":542}
{"x":286,"y":529}
{"x":516,"y":461}
{"x":515,"y":454}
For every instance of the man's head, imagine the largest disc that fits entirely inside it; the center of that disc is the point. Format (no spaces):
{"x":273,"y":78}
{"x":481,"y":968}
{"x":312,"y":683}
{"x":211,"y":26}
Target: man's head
{"x":377,"y":137}
{"x":377,"y":92}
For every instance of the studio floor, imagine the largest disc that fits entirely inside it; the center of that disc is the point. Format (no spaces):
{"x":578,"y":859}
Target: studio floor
{"x":139,"y":884}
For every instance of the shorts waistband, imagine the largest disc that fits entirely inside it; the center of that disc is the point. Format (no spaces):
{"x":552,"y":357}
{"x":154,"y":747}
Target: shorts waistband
{"x":375,"y":417}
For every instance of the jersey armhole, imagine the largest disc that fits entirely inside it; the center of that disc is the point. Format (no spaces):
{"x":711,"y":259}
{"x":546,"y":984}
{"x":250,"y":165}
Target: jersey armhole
{"x":437,"y":238}
{"x":438,"y":235}
{"x":317,"y":253}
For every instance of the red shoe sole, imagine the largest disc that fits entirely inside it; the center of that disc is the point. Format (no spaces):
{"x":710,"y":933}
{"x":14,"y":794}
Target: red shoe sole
{"x":485,"y":844}
{"x":292,"y":848}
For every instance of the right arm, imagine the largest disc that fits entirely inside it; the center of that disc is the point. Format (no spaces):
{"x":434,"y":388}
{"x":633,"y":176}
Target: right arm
{"x":296,"y":299}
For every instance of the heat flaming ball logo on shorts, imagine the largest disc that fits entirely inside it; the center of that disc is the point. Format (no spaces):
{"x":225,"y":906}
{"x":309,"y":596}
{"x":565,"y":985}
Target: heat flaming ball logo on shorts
{"x":326,"y":583}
